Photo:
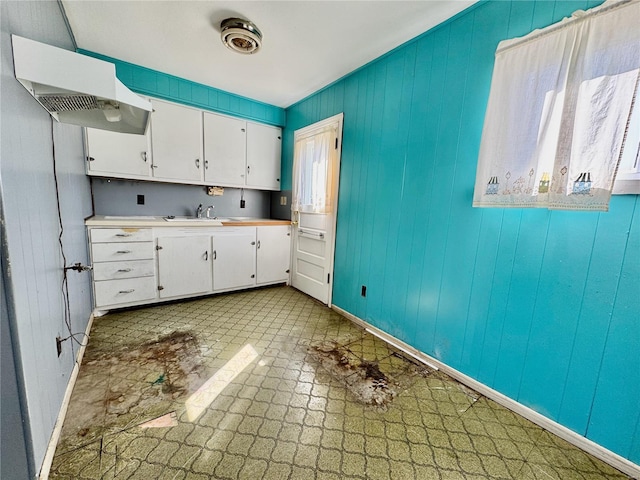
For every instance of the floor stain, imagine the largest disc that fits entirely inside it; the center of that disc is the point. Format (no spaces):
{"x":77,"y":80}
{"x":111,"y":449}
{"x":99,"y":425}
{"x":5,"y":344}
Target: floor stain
{"x":122,"y":389}
{"x":374,"y":382}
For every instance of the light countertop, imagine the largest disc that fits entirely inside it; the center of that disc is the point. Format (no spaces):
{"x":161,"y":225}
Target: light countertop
{"x":153,"y":221}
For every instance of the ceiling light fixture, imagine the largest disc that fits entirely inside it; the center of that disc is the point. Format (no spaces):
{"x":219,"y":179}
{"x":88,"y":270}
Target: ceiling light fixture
{"x":241,"y":36}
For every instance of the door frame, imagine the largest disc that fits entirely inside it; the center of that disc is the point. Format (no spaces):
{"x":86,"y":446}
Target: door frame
{"x":302,"y":132}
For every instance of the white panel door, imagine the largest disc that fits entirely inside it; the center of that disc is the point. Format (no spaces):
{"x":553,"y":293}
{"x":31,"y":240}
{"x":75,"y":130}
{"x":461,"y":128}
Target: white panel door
{"x":184,"y":265}
{"x":118,"y":153}
{"x":313,"y":232}
{"x":224,"y":150}
{"x":176,"y":138}
{"x":273,"y":252}
{"x":234,"y":260}
{"x":264,"y":148}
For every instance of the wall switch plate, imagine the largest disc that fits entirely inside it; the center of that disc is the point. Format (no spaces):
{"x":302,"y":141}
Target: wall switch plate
{"x":283,"y":200}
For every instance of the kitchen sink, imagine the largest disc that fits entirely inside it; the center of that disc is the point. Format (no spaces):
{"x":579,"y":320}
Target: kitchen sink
{"x":209,"y":221}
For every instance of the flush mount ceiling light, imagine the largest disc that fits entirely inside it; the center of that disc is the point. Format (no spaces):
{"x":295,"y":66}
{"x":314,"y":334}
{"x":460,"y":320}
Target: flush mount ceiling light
{"x":241,"y":36}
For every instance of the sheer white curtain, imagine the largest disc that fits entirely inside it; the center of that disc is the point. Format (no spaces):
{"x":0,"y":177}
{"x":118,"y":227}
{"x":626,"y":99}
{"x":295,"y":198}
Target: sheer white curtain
{"x":314,"y":173}
{"x":558,"y":112}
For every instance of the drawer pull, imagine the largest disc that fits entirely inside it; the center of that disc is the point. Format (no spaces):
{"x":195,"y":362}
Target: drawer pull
{"x":123,"y":234}
{"x":123,"y":251}
{"x":127,"y":291}
{"x":206,"y":256}
{"x":124,"y":270}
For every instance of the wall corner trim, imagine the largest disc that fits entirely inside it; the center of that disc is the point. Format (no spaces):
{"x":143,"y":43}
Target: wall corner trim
{"x":57,"y":429}
{"x":561,"y":431}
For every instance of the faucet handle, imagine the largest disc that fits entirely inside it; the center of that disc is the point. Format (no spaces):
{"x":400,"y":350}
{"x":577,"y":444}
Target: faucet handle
{"x":209,"y":210}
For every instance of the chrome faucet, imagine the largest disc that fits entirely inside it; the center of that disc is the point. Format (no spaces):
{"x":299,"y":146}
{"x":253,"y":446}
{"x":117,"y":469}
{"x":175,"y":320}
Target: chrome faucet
{"x":209,"y":210}
{"x":199,"y":211}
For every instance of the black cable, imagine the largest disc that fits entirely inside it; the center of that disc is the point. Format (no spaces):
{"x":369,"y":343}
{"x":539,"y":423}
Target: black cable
{"x":65,"y":281}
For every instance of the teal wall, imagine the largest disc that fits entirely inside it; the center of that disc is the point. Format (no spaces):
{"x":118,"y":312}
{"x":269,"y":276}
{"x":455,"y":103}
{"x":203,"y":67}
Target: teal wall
{"x":543,"y":306}
{"x":162,"y":85}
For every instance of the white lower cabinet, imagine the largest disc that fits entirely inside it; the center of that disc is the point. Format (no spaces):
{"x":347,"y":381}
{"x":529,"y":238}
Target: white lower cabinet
{"x":140,"y":266}
{"x":234,"y":259}
{"x":184,"y":265}
{"x":130,"y":290}
{"x":123,"y":266}
{"x":273,"y":253}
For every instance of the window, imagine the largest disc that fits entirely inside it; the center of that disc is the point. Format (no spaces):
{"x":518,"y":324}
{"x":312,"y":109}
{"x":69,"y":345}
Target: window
{"x":560,"y":120}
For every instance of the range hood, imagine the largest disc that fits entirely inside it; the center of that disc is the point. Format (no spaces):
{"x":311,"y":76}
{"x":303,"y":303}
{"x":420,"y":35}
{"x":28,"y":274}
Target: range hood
{"x":78,"y":89}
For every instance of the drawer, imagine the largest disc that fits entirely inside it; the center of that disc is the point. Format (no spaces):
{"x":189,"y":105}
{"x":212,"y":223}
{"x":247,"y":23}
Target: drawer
{"x":105,"y":235}
{"x":117,"y":270}
{"x":114,"y":292}
{"x":117,"y":252}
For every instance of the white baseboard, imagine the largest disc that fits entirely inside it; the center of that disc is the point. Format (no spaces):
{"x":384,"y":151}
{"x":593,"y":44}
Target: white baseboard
{"x":598,"y":451}
{"x":57,"y":429}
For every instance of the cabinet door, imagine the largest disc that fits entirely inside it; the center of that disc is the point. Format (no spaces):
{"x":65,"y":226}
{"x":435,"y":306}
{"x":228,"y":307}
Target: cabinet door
{"x":273,"y":251}
{"x":264,"y":145}
{"x":224,"y":150}
{"x":118,"y":154}
{"x":234,"y":260}
{"x":184,"y":265}
{"x":176,"y":138}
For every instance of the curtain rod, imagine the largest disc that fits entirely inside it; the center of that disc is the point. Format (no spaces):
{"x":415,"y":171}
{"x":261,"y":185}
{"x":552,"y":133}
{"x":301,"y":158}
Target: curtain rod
{"x":575,"y":17}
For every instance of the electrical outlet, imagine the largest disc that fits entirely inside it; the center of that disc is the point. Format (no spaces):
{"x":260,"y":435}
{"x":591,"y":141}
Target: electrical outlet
{"x":242,"y":203}
{"x":59,"y":345}
{"x":140,"y":199}
{"x":363,"y":291}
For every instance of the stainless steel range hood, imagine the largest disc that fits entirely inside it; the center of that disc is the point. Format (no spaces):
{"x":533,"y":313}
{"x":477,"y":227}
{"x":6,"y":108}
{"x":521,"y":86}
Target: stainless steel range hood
{"x":78,"y":89}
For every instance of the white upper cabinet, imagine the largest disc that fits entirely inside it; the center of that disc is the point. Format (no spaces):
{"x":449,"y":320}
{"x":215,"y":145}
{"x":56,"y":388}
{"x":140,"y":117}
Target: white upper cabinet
{"x":176,"y":138}
{"x":225,"y":140}
{"x":187,"y":145}
{"x":264,"y":146}
{"x":113,"y":153}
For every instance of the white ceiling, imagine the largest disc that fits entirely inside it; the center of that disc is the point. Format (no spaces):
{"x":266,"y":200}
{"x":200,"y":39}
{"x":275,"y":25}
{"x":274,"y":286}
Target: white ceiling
{"x":306,"y":44}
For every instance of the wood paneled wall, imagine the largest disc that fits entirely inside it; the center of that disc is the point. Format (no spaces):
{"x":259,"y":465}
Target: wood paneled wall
{"x":543,"y":306}
{"x":32,"y":262}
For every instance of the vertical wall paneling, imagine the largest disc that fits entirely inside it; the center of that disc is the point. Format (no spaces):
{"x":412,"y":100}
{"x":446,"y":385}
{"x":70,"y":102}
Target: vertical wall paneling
{"x":169,"y":87}
{"x":32,"y":252}
{"x":615,"y":405}
{"x":539,"y":305}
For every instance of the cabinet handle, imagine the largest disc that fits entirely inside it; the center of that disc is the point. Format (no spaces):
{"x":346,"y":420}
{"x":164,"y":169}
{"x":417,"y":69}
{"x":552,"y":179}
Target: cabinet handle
{"x":123,"y":251}
{"x":144,"y":157}
{"x":197,"y":163}
{"x":215,"y":255}
{"x":248,"y":169}
{"x":258,"y":244}
{"x":206,"y":256}
{"x":242,"y":130}
{"x":253,"y":276}
{"x":131,"y":290}
{"x":123,"y":234}
{"x":206,"y":164}
{"x":154,"y":166}
{"x":124,"y":270}
{"x":91,"y":159}
{"x":253,"y":243}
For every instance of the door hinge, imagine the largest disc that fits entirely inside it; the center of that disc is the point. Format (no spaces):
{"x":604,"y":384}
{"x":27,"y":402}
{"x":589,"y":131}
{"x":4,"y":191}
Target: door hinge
{"x":160,"y":287}
{"x":158,"y":247}
{"x":328,"y":277}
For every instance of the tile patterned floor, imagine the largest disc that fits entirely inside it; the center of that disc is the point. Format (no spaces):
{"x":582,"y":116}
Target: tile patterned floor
{"x":284,"y":415}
